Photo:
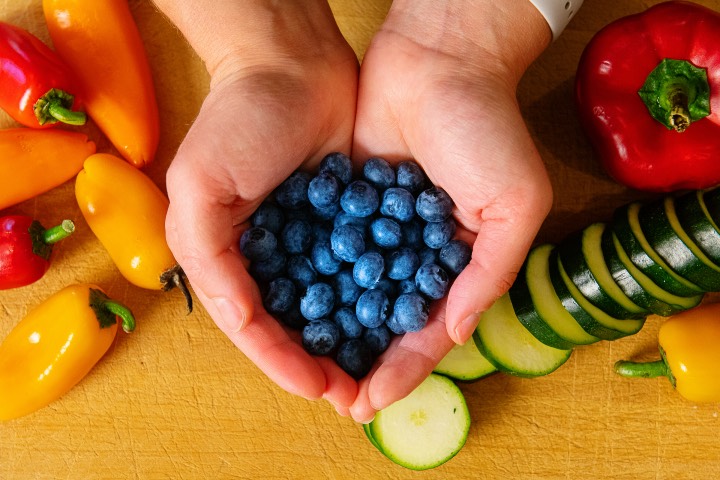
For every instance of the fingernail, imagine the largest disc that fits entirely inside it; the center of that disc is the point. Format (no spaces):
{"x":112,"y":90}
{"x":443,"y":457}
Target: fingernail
{"x":231,"y":317}
{"x":464,"y":329}
{"x":365,"y":422}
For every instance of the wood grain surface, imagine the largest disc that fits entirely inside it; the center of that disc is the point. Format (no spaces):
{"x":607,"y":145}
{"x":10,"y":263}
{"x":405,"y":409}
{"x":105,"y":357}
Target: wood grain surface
{"x":175,"y":400}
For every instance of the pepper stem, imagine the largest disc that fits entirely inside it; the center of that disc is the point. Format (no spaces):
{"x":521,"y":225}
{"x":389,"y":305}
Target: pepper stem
{"x":630,"y":369}
{"x":55,"y":106}
{"x":128,"y":320}
{"x":65,"y":115}
{"x":58,"y":232}
{"x":175,"y":277}
{"x":107,"y":310}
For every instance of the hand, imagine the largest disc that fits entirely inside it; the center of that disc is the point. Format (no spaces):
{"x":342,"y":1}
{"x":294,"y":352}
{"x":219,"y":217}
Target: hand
{"x":438,"y":85}
{"x":283,"y":93}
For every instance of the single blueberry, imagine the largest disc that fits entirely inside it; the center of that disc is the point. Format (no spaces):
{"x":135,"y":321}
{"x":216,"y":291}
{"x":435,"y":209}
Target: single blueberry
{"x":411,"y":312}
{"x":359,"y":199}
{"x":361,"y":223}
{"x":347,"y":291}
{"x":339,"y":165}
{"x":368,"y":270}
{"x":437,"y":234}
{"x":280,"y":295}
{"x":323,"y":258}
{"x":257,"y":243}
{"x":412,"y":234}
{"x":293,"y":318}
{"x":392,"y":324}
{"x":401,"y":263}
{"x":428,"y":255}
{"x":388,"y":286}
{"x":372,"y":307}
{"x":326,"y":213}
{"x":434,"y":205}
{"x":324,"y":190}
{"x":455,"y":256}
{"x":355,"y":358}
{"x":320,"y":337}
{"x":301,"y":271}
{"x":379,"y":173}
{"x":296,"y":236}
{"x":411,"y":177}
{"x":270,"y":268}
{"x":378,"y":339}
{"x":347,"y":243}
{"x":386,"y":232}
{"x":318,"y":301}
{"x":399,"y":204}
{"x":292,"y":193}
{"x":432,"y":281}
{"x":407,"y":286}
{"x":347,"y":321}
{"x":268,"y":216}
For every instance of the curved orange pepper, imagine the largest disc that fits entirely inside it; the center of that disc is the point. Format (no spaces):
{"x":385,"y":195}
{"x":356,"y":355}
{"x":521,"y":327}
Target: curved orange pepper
{"x":35,"y":161}
{"x":100,"y":42}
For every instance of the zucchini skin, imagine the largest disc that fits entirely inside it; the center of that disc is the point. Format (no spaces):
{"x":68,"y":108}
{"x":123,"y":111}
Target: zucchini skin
{"x":695,"y":219}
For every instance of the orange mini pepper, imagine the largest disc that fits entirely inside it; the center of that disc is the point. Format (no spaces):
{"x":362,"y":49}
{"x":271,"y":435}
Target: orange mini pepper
{"x":35,"y":161}
{"x":101,"y":43}
{"x":126,"y":212}
{"x":55,"y":346}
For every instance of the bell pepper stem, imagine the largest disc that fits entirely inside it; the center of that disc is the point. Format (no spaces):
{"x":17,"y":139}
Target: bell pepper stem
{"x":55,"y":106}
{"x":175,"y":277}
{"x":679,"y":114}
{"x":65,"y":115}
{"x":58,"y":232}
{"x":630,"y":369}
{"x":128,"y":320}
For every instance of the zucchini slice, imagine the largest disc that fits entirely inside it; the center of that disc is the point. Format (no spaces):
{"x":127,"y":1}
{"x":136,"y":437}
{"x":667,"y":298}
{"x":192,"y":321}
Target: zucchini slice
{"x":465,"y":363}
{"x":425,"y":429}
{"x":581,"y":256}
{"x":695,"y":220}
{"x":665,"y":236}
{"x":593,"y":320}
{"x":639,"y":286}
{"x":505,"y":342}
{"x":538,"y":307}
{"x":626,"y":226}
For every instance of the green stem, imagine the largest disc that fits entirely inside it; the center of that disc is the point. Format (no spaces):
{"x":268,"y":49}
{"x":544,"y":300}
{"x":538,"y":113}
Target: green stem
{"x":58,"y":232}
{"x":642,"y":369}
{"x":65,"y":115}
{"x":128,"y":320}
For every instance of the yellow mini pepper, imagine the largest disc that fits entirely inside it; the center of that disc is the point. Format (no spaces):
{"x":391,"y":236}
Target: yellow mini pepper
{"x":126,"y":212}
{"x":690,"y":350}
{"x":55,"y":346}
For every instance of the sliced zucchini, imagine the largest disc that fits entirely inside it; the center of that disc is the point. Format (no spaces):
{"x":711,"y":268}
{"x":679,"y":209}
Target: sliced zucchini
{"x":695,"y":220}
{"x":639,"y":286}
{"x":581,"y":256}
{"x":662,"y":230}
{"x":538,"y":307}
{"x":711,"y":198}
{"x":465,"y":363}
{"x":591,"y":318}
{"x":505,"y":342}
{"x":626,"y":226}
{"x":425,"y":429}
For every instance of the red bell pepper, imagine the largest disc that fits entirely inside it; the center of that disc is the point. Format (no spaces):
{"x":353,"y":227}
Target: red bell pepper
{"x":37,"y":88}
{"x":648,"y":96}
{"x":25,"y":248}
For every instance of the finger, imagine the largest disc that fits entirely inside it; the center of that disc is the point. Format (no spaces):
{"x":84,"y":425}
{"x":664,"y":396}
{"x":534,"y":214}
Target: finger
{"x":340,"y":389}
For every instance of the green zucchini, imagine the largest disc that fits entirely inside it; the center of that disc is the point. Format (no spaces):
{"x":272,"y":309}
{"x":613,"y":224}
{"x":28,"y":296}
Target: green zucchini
{"x":538,"y":307}
{"x":581,"y":256}
{"x":465,"y":363}
{"x":695,"y":220}
{"x":660,"y":225}
{"x":626,"y":226}
{"x":505,"y":342}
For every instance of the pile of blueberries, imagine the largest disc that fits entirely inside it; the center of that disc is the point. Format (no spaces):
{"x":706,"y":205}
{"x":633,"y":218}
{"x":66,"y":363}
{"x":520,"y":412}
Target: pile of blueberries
{"x":353,"y":261}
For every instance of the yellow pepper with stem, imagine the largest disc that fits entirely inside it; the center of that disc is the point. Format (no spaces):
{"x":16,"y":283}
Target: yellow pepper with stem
{"x":690,"y":354}
{"x":126,"y":212}
{"x":55,"y":346}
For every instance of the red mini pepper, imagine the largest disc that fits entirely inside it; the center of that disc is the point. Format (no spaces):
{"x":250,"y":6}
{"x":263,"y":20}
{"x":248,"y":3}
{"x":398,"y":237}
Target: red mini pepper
{"x":25,"y":248}
{"x":37,"y":88}
{"x":648,"y":96}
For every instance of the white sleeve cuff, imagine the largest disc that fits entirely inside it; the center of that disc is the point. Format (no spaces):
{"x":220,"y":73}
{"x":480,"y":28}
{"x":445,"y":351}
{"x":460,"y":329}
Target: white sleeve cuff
{"x":557,"y":13}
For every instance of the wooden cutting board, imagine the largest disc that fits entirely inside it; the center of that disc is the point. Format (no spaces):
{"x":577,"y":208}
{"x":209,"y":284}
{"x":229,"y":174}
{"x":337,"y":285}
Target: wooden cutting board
{"x":176,"y":400}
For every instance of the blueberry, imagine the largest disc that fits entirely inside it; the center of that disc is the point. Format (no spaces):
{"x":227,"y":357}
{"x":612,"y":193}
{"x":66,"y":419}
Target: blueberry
{"x":372,"y":307}
{"x":347,"y":243}
{"x":399,"y":204}
{"x":347,"y":291}
{"x":359,"y":199}
{"x":388,"y":286}
{"x":292,"y":193}
{"x":326,"y":213}
{"x":339,"y":165}
{"x":432,"y":281}
{"x":455,"y":256}
{"x":293,"y":318}
{"x":318,"y":301}
{"x":411,"y":312}
{"x":401,"y":263}
{"x":412,"y":234}
{"x":296,"y":236}
{"x":407,"y":286}
{"x":257,"y":243}
{"x":434,"y":204}
{"x":428,"y":255}
{"x":368,"y":270}
{"x":323,"y":258}
{"x":361,"y":223}
{"x":437,"y":234}
{"x":355,"y":358}
{"x":410,"y":177}
{"x":268,"y":216}
{"x":379,"y":173}
{"x":378,"y":339}
{"x":269,"y":269}
{"x":301,"y":271}
{"x":386,"y":232}
{"x":392,"y":324}
{"x":347,"y":321}
{"x":320,"y":337}
{"x":321,"y":232}
{"x":280,"y":295}
{"x":324,"y":190}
